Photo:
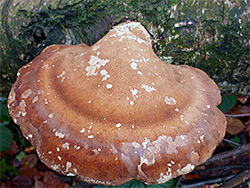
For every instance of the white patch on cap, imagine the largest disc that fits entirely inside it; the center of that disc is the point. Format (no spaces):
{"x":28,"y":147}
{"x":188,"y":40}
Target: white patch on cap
{"x":134,"y":92}
{"x":68,"y":166}
{"x":148,"y":88}
{"x":133,"y":65}
{"x":170,"y":100}
{"x":70,"y":174}
{"x":30,"y":135}
{"x":145,"y":143}
{"x":60,"y":135}
{"x":109,"y":86}
{"x":124,"y":32}
{"x":118,"y":125}
{"x":62,"y":76}
{"x":94,"y":64}
{"x":139,"y":72}
{"x":105,"y":74}
{"x":164,"y":178}
{"x":136,"y":145}
{"x":65,"y":145}
{"x":27,"y":93}
{"x":186,"y":169}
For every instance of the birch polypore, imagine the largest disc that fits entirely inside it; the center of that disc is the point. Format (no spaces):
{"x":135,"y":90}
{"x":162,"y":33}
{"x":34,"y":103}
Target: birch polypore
{"x":114,"y":111}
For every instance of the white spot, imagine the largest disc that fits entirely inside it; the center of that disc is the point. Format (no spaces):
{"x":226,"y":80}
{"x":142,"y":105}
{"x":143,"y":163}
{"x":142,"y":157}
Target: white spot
{"x":30,"y":135}
{"x":170,"y":100}
{"x":91,"y":136}
{"x":78,"y":147}
{"x":132,"y":126}
{"x":60,"y":135}
{"x":183,"y":137}
{"x":208,"y":106}
{"x":58,"y":149}
{"x":136,"y":145}
{"x":70,"y":174}
{"x":60,"y":158}
{"x":94,"y":64}
{"x":89,"y":101}
{"x":139,"y":72}
{"x":133,"y":65}
{"x":82,"y":131}
{"x":186,"y":121}
{"x":145,"y":143}
{"x":109,"y":86}
{"x":68,"y":166}
{"x":65,"y":145}
{"x":50,"y":115}
{"x":186,"y":169}
{"x":105,"y":74}
{"x":177,"y":109}
{"x":49,"y":152}
{"x":148,"y":88}
{"x":164,"y":178}
{"x":27,"y":93}
{"x":82,"y":54}
{"x":202,"y":137}
{"x":18,"y":74}
{"x":134,"y":92}
{"x":182,"y":117}
{"x":95,"y":151}
{"x":62,"y":76}
{"x":96,"y":47}
{"x":75,"y":170}
{"x":118,"y":125}
{"x":131,"y":103}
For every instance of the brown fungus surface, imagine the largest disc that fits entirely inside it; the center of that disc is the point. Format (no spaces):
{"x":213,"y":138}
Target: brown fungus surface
{"x":114,"y":111}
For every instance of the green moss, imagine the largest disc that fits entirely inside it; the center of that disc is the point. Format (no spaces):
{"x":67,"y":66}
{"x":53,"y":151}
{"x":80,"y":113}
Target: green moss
{"x":212,"y":36}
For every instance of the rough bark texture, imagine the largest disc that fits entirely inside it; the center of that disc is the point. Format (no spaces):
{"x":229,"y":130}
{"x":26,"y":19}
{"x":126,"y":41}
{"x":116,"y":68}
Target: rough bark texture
{"x":210,"y":35}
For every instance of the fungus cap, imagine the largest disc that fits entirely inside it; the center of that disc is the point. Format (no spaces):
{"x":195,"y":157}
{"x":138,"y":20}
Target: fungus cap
{"x":114,"y":111}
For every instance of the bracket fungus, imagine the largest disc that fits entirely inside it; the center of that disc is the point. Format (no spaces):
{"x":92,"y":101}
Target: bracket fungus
{"x":114,"y":111}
